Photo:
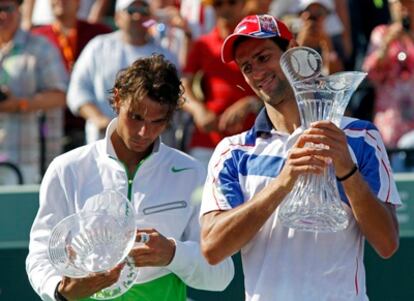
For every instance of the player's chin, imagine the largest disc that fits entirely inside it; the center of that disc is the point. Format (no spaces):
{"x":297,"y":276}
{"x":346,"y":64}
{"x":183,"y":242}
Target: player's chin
{"x":138,"y":146}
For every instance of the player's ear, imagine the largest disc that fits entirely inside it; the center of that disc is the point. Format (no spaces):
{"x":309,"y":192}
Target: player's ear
{"x":116,"y":101}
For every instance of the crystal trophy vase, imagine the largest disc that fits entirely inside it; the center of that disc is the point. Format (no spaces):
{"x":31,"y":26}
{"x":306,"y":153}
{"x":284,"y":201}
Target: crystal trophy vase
{"x":314,"y":203}
{"x":95,"y":240}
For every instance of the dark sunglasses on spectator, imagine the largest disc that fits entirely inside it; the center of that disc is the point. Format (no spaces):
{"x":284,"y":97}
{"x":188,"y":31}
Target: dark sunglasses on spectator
{"x":142,"y":10}
{"x":220,"y":3}
{"x":7,"y":8}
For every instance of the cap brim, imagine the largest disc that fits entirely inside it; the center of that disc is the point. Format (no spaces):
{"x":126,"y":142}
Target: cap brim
{"x":123,"y":5}
{"x":227,"y":49}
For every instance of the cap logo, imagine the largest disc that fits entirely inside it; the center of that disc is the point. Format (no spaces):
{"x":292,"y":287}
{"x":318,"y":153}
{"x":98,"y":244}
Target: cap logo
{"x":254,"y":26}
{"x":268,"y":24}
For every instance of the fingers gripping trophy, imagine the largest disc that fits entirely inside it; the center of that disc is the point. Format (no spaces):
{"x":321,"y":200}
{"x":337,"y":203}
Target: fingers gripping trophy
{"x":314,"y":203}
{"x":95,"y":240}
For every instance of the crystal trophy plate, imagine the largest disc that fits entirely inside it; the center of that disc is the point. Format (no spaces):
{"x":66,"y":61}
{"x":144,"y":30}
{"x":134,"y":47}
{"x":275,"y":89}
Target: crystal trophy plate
{"x":114,"y":203}
{"x":95,"y":240}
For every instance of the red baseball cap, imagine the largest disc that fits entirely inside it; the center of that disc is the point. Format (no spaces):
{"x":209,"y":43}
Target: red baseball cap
{"x":254,"y":26}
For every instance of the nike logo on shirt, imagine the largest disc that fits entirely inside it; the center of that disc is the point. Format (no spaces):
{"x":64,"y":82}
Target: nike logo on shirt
{"x":175,"y":169}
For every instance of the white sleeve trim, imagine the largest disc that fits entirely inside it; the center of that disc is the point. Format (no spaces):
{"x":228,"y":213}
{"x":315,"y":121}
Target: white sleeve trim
{"x":190,"y":265}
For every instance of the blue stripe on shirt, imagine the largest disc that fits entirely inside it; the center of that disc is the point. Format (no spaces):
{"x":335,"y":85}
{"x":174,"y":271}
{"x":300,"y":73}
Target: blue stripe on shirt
{"x":369,"y":164}
{"x":244,"y":164}
{"x":250,"y":138}
{"x":361,"y":124}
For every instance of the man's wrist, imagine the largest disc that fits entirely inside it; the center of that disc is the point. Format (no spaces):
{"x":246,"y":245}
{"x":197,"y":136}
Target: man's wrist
{"x":23,"y":105}
{"x":174,"y":247}
{"x":196,"y":107}
{"x":349,"y":174}
{"x":58,"y":296}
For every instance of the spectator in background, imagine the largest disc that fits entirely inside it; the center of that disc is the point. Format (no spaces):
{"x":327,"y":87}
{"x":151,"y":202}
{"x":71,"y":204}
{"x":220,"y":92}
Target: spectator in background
{"x":282,"y":8}
{"x":199,"y":16}
{"x":343,"y":15}
{"x":336,"y":23}
{"x":313,"y":34}
{"x":390,"y":67}
{"x":33,"y":80}
{"x":228,"y":102}
{"x":95,"y":70}
{"x":253,"y":7}
{"x":364,"y":17}
{"x":171,"y":30}
{"x":39,"y":12}
{"x":70,"y":35}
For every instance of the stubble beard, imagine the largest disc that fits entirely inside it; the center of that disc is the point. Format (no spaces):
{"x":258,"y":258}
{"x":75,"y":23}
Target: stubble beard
{"x":277,"y":95}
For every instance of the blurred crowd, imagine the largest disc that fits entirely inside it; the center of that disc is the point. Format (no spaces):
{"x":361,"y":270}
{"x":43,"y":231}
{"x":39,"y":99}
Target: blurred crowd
{"x":59,"y":59}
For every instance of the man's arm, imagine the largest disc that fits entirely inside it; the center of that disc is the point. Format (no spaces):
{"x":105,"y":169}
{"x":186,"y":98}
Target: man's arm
{"x":183,"y":258}
{"x":81,"y":98}
{"x":52,"y":208}
{"x":203,"y":118}
{"x":40,"y":101}
{"x":47,"y":100}
{"x":98,"y":10}
{"x":44,"y":278}
{"x":52,"y":79}
{"x":223,"y":233}
{"x":376,"y":219}
{"x":89,"y":111}
{"x":27,"y":13}
{"x":233,"y":118}
{"x":190,"y":265}
{"x":342,"y":9}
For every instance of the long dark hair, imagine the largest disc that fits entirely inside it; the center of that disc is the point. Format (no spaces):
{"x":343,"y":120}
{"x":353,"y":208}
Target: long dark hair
{"x":152,"y":76}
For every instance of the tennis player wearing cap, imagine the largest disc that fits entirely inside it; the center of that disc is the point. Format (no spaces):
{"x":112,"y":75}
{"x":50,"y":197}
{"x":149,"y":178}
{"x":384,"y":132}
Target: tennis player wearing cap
{"x":250,"y":174}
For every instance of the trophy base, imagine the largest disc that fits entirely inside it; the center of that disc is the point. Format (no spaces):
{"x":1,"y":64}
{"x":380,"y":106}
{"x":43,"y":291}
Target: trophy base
{"x":315,"y":221}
